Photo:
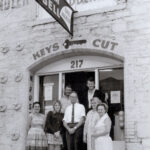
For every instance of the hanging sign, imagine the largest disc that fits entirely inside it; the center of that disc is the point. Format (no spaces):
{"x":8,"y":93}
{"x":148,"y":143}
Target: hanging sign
{"x":61,"y":11}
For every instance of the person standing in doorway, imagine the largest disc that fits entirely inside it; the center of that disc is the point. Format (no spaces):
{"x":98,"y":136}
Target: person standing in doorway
{"x":73,"y":121}
{"x":90,"y":93}
{"x":65,"y":101}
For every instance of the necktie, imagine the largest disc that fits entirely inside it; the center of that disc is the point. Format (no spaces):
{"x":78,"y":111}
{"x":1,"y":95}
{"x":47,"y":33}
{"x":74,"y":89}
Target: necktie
{"x":72,"y":119}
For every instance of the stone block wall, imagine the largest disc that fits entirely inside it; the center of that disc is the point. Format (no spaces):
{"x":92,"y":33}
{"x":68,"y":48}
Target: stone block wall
{"x":21,"y":35}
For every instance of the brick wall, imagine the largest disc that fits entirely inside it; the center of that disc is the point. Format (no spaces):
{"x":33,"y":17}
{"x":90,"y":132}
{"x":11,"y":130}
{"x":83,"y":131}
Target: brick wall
{"x":21,"y":36}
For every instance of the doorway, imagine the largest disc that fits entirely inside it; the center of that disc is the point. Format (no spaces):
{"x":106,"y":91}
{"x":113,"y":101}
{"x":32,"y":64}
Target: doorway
{"x":78,"y":80}
{"x":111,"y":82}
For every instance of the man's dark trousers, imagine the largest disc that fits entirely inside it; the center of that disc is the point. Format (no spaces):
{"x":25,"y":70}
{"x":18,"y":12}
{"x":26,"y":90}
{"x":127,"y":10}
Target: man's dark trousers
{"x":64,"y":140}
{"x":75,"y":141}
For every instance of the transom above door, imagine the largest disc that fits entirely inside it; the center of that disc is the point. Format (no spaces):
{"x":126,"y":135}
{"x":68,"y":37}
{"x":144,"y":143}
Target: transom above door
{"x":78,"y":63}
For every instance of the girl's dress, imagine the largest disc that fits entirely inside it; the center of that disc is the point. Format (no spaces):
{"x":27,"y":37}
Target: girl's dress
{"x":36,"y":139}
{"x":54,"y":124}
{"x":102,"y":142}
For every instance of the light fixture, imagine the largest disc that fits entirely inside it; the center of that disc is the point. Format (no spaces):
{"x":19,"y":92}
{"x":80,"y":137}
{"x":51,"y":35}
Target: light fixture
{"x":106,"y":70}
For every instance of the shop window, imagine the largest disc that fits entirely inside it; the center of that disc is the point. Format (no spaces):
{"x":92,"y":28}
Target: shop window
{"x":111,"y":82}
{"x":85,"y":7}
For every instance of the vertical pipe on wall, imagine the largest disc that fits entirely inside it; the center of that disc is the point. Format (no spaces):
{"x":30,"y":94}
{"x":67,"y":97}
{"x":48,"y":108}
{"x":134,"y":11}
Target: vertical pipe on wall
{"x":96,"y":78}
{"x":60,"y":86}
{"x":36,"y":88}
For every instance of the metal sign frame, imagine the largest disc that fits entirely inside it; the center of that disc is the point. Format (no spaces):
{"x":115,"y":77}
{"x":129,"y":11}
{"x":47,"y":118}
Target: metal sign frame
{"x":62,"y":5}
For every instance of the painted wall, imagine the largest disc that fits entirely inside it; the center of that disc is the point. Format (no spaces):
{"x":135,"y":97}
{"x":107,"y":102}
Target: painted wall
{"x":22,"y":37}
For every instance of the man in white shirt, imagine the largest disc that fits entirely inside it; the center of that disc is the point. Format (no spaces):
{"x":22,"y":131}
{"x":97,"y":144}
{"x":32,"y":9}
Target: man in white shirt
{"x":73,"y":122}
{"x":65,"y":101}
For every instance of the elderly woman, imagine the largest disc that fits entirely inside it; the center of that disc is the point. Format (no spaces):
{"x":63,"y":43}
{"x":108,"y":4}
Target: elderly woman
{"x":53,"y":127}
{"x":102,"y":128}
{"x":90,"y":122}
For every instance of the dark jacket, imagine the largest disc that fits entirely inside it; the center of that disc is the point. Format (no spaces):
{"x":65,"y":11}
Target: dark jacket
{"x":85,"y":101}
{"x":53,"y":122}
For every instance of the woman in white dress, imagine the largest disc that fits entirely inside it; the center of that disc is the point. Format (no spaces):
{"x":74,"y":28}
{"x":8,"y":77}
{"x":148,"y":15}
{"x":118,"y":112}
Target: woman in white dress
{"x":91,"y":119}
{"x":102,"y":140}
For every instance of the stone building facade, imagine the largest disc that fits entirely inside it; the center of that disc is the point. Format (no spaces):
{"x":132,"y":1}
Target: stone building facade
{"x":28,"y":44}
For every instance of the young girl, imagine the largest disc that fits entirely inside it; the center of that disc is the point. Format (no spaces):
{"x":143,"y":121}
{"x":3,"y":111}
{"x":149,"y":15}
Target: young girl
{"x":54,"y":126}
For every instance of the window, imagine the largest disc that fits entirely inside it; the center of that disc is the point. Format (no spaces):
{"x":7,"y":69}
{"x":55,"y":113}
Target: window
{"x":111,"y":81}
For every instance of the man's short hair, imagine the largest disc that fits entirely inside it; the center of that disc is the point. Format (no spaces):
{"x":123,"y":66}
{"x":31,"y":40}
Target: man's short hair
{"x":74,"y":92}
{"x":68,"y":85}
{"x":91,"y":79}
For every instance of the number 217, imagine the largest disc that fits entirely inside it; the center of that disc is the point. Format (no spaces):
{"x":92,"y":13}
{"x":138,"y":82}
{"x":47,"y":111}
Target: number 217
{"x":76,"y":63}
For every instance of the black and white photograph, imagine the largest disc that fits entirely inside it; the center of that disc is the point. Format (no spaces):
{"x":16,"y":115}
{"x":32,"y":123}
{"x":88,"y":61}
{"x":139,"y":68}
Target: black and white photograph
{"x":74,"y":74}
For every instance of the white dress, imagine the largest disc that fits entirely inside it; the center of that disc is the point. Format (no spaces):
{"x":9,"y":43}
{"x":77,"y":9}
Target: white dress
{"x":90,"y":122}
{"x":102,"y":142}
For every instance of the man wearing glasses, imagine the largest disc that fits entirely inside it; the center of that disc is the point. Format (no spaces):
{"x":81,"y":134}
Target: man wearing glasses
{"x":73,"y":122}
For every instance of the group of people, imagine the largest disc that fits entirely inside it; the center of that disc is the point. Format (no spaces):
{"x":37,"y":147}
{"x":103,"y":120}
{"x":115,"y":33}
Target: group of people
{"x":71,"y":123}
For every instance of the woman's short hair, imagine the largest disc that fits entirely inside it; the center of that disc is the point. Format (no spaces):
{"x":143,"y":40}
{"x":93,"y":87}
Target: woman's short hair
{"x":57,"y":101}
{"x":36,"y":103}
{"x":104,"y":105}
{"x":98,"y":100}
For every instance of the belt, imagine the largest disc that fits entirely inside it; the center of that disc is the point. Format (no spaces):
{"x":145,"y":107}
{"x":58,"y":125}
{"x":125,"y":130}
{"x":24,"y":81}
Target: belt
{"x":72,"y":125}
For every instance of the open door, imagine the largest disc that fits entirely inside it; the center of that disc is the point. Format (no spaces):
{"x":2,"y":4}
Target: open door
{"x":78,"y":81}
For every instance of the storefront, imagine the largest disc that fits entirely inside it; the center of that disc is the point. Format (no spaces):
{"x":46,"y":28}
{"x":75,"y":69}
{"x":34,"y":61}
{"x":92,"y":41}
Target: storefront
{"x":38,"y":58}
{"x":95,"y":58}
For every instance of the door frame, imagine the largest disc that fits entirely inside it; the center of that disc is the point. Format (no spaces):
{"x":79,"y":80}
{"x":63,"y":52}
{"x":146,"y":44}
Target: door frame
{"x":61,"y":78}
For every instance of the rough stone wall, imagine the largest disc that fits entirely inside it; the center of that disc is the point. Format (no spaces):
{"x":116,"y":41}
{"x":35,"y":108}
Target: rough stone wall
{"x":14,"y":77}
{"x":21,"y":35}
